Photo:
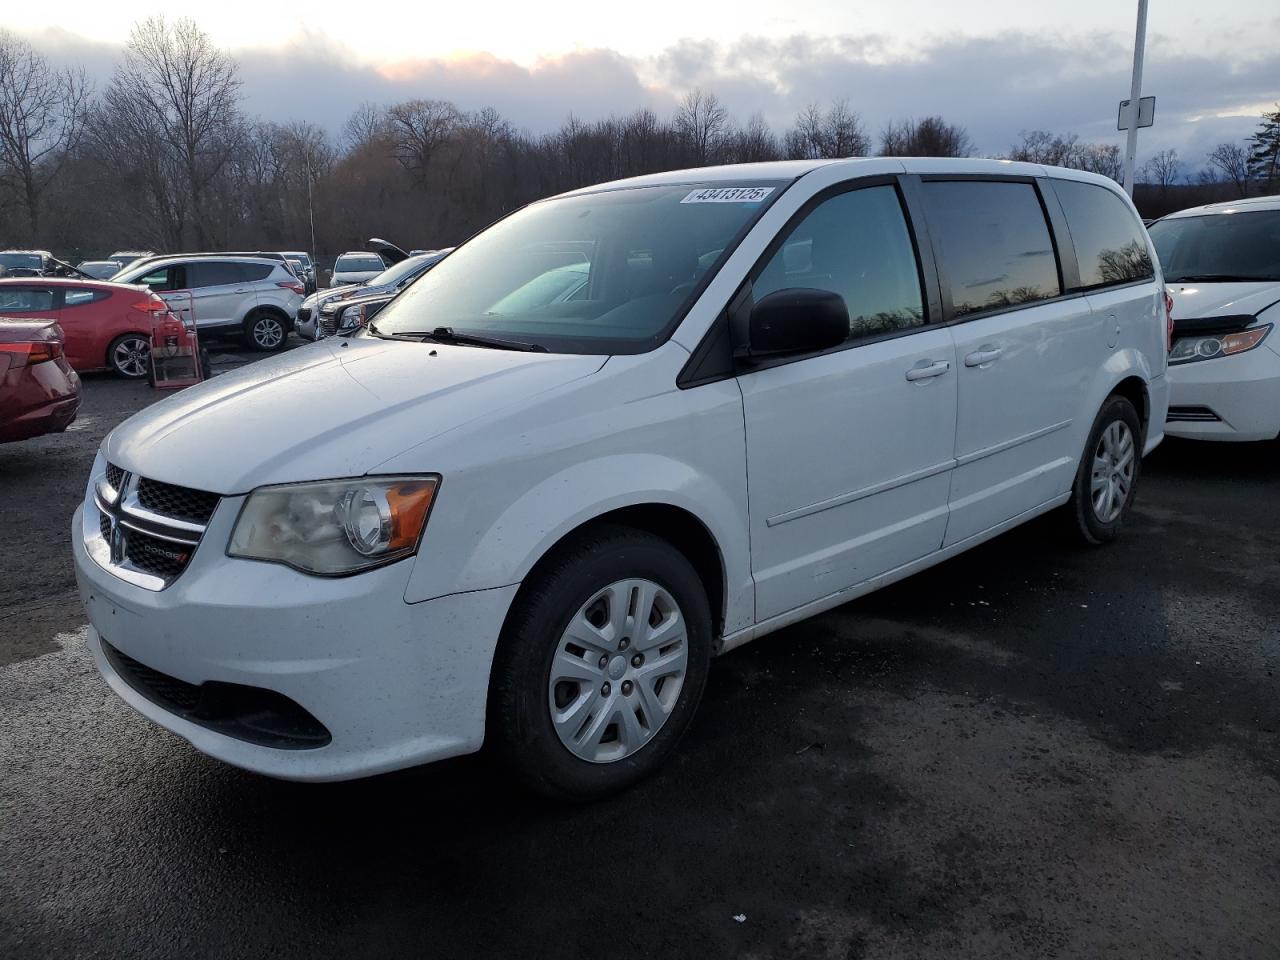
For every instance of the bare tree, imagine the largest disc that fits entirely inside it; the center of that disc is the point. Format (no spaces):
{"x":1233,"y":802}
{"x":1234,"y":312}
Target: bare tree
{"x":930,"y":137}
{"x":836,"y":133}
{"x":42,"y":117}
{"x":368,"y":122}
{"x":1041,"y":146}
{"x":1102,"y":158}
{"x":191,"y":89}
{"x":753,"y":143}
{"x":1232,"y":161}
{"x":420,"y":129}
{"x":1163,"y":170}
{"x":702,"y":122}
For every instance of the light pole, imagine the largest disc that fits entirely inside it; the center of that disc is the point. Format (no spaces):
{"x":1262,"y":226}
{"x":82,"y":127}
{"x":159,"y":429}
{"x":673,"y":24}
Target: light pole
{"x":1135,"y":97}
{"x":312,"y":213}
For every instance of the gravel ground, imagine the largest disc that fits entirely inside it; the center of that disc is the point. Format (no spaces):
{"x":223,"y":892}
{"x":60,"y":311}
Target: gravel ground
{"x":1029,"y":751}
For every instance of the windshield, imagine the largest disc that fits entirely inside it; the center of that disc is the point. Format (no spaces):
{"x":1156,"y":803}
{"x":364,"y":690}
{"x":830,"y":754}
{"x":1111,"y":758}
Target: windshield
{"x":405,"y":268}
{"x":600,"y":273}
{"x":30,"y":261}
{"x":347,"y":264}
{"x":1242,"y":246}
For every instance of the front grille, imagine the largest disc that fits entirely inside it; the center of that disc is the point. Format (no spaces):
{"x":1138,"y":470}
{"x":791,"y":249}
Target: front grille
{"x":149,"y":529}
{"x":1192,"y":415}
{"x":182,"y":503}
{"x":328,"y":325}
{"x":253,"y":714}
{"x":155,"y":556}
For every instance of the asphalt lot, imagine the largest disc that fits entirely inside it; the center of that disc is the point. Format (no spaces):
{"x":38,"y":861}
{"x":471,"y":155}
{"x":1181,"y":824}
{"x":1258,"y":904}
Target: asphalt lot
{"x":1030,"y":751}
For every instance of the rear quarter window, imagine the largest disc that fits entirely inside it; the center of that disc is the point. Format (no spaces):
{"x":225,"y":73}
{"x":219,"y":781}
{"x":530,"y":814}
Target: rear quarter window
{"x":78,"y":298}
{"x":1109,"y":241}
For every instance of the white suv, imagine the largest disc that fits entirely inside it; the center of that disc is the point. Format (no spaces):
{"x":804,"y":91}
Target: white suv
{"x":1222,"y":264}
{"x":255,"y":298}
{"x":781,"y":386}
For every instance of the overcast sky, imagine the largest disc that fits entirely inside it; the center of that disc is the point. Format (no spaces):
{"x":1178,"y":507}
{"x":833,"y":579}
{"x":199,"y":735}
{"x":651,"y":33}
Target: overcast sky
{"x":998,"y":66}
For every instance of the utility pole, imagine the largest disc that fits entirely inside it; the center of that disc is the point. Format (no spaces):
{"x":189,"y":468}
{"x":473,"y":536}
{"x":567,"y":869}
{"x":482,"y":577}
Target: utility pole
{"x":1135,"y":97}
{"x":312,"y":213}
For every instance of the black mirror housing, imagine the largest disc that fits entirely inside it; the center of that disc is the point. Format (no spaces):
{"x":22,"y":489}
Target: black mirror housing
{"x":798,"y":320}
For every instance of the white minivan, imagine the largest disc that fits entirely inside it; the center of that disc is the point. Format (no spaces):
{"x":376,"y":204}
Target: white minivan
{"x":533,"y":521}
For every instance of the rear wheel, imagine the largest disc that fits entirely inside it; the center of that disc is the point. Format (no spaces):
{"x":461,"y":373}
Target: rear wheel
{"x":265,"y":331}
{"x":1107,"y":477}
{"x":129,"y":356}
{"x":601,"y":665}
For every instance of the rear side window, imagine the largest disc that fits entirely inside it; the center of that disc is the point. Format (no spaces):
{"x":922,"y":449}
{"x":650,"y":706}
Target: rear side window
{"x":1107,"y":236}
{"x":25,"y":300}
{"x":995,"y":244}
{"x":253,"y":272}
{"x":78,"y":298}
{"x":855,"y":244}
{"x":214,"y":273}
{"x":166,"y":278}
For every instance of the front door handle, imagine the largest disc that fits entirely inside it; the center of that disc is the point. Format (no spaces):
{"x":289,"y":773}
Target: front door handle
{"x":928,"y":369}
{"x":980,"y":358}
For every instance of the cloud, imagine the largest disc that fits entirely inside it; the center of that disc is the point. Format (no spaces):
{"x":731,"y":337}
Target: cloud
{"x":994,"y":85}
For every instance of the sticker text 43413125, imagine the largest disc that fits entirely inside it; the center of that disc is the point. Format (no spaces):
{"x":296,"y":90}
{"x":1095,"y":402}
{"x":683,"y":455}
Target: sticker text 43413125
{"x":728,"y":195}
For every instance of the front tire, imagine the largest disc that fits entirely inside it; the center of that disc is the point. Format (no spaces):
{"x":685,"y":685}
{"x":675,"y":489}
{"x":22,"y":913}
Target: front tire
{"x":129,"y":356}
{"x":265,"y":331}
{"x":601,"y":665}
{"x":1107,"y":477}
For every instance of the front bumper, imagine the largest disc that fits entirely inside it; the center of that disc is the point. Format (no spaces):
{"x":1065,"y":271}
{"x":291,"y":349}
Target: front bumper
{"x":1232,"y":398}
{"x":394,"y":684}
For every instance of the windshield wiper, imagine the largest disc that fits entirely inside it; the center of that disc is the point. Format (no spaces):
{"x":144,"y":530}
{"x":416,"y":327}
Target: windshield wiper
{"x":1216,"y":278}
{"x":450,"y":335}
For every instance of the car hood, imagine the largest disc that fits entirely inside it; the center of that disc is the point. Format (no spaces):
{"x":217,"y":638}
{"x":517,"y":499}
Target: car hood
{"x":337,"y":408}
{"x":1193,"y":300}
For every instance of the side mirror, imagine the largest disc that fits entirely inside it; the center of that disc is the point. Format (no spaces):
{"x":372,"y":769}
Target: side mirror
{"x":799,"y":320}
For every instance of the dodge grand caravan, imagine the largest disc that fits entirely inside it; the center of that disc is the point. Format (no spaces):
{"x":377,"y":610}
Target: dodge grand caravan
{"x":532,"y":522}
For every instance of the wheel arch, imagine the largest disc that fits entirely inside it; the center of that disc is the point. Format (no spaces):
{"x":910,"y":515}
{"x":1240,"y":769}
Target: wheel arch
{"x":679,"y":527}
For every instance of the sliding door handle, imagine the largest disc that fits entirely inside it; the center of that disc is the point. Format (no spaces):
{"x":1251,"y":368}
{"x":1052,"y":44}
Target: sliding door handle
{"x":928,"y":369}
{"x":983,"y":356}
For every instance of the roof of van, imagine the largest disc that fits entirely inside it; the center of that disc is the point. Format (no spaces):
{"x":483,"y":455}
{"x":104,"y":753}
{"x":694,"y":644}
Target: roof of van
{"x":791,"y":170}
{"x":1229,"y":206}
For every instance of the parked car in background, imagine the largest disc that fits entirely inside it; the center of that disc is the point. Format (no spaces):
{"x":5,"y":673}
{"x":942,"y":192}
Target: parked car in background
{"x":99,"y":269}
{"x":126,"y":257}
{"x":533,"y":529}
{"x":356,"y":266}
{"x":388,"y":283}
{"x":39,"y":392}
{"x":251,"y":297}
{"x":106,"y":326}
{"x":26,"y":263}
{"x":339,"y":316}
{"x":1222,"y":266}
{"x":308,"y":273}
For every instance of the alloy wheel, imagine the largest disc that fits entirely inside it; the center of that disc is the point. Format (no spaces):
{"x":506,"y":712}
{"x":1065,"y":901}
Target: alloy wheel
{"x":268,"y":332}
{"x":618,"y":670}
{"x":1114,"y":463}
{"x":131,"y":357}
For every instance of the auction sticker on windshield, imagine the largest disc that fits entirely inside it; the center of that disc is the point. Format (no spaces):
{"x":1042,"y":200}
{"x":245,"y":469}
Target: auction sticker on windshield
{"x":728,"y":195}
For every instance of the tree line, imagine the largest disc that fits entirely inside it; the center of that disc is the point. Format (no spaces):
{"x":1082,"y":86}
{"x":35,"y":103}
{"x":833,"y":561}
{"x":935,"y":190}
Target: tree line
{"x":165,"y":157}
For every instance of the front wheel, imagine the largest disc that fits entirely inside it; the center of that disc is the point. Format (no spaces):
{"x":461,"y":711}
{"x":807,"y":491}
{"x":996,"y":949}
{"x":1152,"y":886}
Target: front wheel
{"x":265,"y":332}
{"x":601,"y":665}
{"x":1107,"y":477}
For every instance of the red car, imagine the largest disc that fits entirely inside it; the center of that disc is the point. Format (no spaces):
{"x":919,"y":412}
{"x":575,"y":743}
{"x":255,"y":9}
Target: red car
{"x":39,"y":392}
{"x":107,"y":325}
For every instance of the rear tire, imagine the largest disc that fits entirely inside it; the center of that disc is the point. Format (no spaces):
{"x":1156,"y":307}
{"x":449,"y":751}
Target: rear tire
{"x":578,"y":714}
{"x":265,"y":331}
{"x":129,"y":356}
{"x":1107,"y":477}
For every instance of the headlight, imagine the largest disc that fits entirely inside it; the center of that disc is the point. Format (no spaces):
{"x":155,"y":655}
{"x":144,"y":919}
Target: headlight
{"x":336,"y":527}
{"x":1187,"y":349}
{"x":350,"y":317}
